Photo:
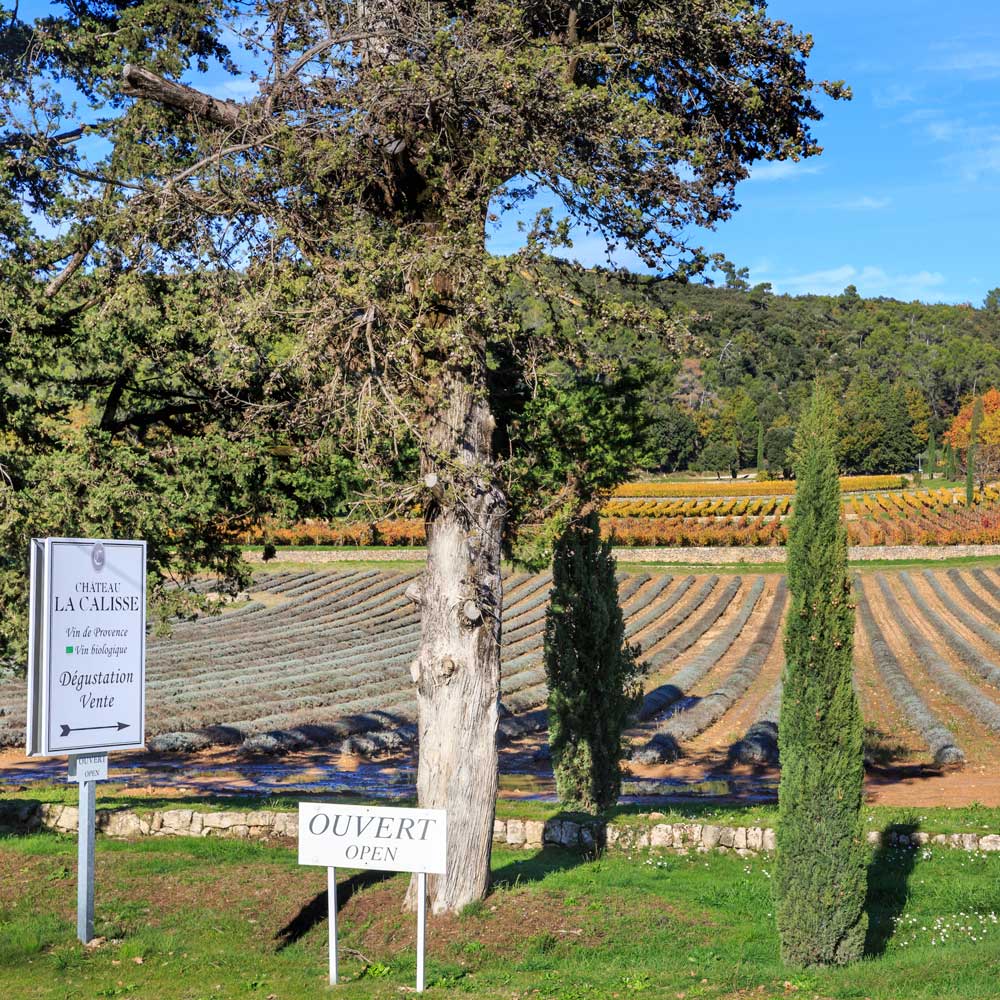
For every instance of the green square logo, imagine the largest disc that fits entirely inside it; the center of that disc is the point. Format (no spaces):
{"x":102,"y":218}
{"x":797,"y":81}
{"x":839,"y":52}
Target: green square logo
{"x":69,"y":649}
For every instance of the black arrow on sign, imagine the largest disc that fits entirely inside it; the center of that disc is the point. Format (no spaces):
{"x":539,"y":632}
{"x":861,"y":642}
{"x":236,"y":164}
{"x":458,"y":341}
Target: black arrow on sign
{"x":66,"y":730}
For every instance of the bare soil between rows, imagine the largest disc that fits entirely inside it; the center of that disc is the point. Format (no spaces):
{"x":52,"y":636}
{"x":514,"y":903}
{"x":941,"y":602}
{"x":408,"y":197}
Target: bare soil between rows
{"x":220,"y":771}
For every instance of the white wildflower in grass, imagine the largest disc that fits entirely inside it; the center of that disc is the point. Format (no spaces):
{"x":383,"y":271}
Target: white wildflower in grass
{"x":961,"y":926}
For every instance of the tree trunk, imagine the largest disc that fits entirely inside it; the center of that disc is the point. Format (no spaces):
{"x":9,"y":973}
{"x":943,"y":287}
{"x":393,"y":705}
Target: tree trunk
{"x":457,"y":670}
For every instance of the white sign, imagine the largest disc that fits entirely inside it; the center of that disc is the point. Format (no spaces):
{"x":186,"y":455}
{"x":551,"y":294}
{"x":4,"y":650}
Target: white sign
{"x":388,"y":839}
{"x":87,"y":647}
{"x":88,"y":767}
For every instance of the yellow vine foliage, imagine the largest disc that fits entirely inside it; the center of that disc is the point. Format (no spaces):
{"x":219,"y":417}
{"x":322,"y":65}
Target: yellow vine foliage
{"x":778,"y":487}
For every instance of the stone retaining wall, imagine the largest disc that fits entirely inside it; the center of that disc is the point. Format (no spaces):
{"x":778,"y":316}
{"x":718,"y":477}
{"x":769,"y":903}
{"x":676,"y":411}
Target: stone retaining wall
{"x":25,"y":816}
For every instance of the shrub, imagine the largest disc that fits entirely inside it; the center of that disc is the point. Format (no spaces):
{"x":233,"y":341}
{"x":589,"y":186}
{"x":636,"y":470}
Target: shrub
{"x":592,"y":673}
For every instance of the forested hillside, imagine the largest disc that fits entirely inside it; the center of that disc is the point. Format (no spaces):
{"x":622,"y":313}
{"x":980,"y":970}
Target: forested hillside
{"x":901,"y":371}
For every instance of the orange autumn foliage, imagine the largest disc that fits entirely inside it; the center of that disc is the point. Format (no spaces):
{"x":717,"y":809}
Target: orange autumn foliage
{"x":989,"y":431}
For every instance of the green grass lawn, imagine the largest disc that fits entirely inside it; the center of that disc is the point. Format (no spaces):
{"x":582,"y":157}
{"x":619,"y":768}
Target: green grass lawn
{"x":196,"y":919}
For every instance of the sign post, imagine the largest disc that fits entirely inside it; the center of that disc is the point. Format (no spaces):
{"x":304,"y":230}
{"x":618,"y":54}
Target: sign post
{"x":86,"y":670}
{"x":386,"y":839}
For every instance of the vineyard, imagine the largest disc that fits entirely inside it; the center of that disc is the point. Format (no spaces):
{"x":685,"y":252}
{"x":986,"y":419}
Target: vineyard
{"x":885,"y":517}
{"x":321,"y":658}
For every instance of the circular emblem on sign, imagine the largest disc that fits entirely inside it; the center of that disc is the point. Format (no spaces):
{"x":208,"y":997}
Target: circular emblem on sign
{"x":97,"y":555}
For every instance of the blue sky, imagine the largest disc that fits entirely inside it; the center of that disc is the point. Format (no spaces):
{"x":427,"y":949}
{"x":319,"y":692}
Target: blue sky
{"x":905,"y":200}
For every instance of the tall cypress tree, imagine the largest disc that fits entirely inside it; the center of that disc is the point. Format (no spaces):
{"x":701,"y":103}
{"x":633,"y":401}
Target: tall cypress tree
{"x":760,"y":450}
{"x":931,"y":455}
{"x":592,"y":673}
{"x":970,"y":452}
{"x":821,"y":875}
{"x":950,"y":472}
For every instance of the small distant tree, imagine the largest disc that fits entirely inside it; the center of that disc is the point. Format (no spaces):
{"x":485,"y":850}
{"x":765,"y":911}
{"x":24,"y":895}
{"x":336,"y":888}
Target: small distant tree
{"x":592,"y":673}
{"x":760,"y":451}
{"x":719,"y":457}
{"x":820,"y":883}
{"x":931,"y":455}
{"x":950,"y":471}
{"x":778,"y":443}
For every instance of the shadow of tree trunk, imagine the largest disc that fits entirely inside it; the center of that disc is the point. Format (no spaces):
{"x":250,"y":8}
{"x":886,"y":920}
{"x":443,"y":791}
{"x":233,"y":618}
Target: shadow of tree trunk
{"x":888,"y":886}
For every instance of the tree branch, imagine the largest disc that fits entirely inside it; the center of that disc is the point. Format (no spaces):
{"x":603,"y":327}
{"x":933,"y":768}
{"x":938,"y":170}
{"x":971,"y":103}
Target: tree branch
{"x":72,"y":266}
{"x":139,"y":82}
{"x":114,"y":400}
{"x":142,"y":421}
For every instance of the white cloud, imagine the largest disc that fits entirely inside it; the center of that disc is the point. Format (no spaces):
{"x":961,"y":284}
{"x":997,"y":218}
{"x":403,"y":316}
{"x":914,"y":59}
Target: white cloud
{"x":894,"y":95}
{"x":870,"y":281}
{"x":866,"y":203}
{"x":980,"y":64}
{"x":779,"y":170}
{"x":974,"y":146}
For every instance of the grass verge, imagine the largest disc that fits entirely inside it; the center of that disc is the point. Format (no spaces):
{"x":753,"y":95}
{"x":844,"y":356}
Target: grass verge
{"x":206,"y":920}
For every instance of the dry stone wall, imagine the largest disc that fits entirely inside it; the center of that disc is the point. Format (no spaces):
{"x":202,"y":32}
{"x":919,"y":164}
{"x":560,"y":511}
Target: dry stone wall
{"x":640,"y":834}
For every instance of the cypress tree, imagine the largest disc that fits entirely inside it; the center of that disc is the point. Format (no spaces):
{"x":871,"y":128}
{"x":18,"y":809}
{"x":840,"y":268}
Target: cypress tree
{"x":931,"y":455}
{"x":592,"y":673}
{"x":950,"y":471}
{"x":970,"y":452}
{"x":760,"y":450}
{"x":821,"y":873}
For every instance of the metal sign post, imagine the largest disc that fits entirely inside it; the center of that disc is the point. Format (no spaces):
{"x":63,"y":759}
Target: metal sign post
{"x":331,"y":892}
{"x":421,"y":923}
{"x":86,"y":671}
{"x":87,"y":770}
{"x":385,"y":839}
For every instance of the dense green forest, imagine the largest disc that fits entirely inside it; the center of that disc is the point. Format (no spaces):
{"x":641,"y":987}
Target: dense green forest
{"x":899,"y":371}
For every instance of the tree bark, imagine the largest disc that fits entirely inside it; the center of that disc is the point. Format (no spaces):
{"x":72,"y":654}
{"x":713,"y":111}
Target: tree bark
{"x":457,"y":670}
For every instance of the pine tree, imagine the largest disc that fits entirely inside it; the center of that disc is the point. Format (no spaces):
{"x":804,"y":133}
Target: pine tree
{"x":592,"y":674}
{"x":931,"y":455}
{"x":820,"y":882}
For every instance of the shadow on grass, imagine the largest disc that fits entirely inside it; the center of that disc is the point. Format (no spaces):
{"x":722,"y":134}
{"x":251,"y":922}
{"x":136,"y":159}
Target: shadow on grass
{"x":538,"y":866}
{"x":888,"y":887}
{"x":317,"y":909}
{"x":553,"y":858}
